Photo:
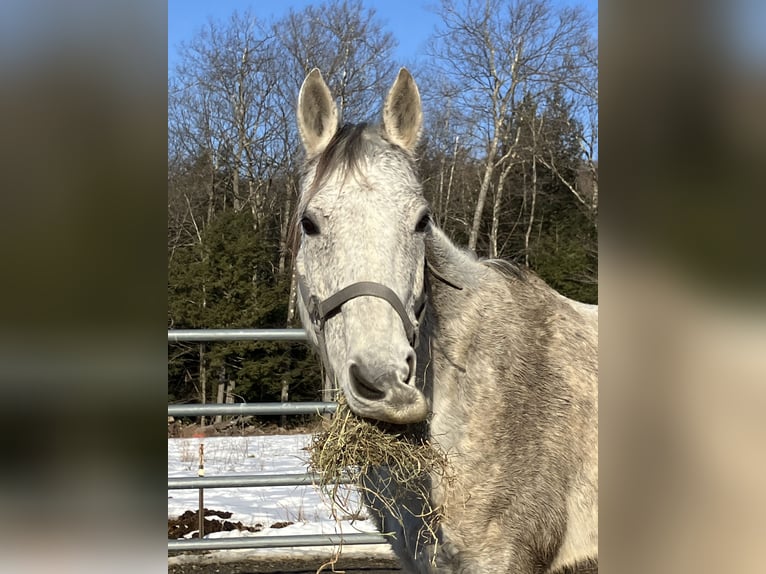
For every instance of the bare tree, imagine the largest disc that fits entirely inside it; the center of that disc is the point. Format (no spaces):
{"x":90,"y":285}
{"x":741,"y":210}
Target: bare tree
{"x":586,"y":106}
{"x":493,"y":51}
{"x":347,"y":42}
{"x":225,"y":88}
{"x":510,"y":162}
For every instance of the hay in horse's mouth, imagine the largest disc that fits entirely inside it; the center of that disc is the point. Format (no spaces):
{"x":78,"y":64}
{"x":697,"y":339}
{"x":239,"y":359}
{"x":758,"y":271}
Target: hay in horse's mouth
{"x":350,"y":446}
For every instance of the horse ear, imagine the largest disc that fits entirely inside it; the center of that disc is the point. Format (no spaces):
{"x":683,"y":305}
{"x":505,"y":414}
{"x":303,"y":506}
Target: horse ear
{"x":402,"y":113}
{"x":317,"y":113}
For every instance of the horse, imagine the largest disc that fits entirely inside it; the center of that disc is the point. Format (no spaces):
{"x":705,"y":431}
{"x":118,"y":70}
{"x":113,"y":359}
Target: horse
{"x":499,"y":367}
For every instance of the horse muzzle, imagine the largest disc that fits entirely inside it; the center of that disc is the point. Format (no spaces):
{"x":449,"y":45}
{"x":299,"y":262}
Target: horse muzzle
{"x":385,"y":394}
{"x":374,"y":388}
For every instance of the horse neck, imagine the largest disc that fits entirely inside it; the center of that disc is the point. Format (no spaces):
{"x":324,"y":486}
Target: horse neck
{"x":455,"y":284}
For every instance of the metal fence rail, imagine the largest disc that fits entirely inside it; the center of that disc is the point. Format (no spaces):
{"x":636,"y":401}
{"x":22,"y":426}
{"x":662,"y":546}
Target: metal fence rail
{"x":186,"y":482}
{"x":246,"y":480}
{"x":263,"y":409}
{"x":261,"y":480}
{"x":199,"y":335}
{"x":277,"y":541}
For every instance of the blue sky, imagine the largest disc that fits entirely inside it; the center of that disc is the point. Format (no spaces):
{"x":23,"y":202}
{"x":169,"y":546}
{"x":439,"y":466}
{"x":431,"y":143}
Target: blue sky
{"x":408,"y":20}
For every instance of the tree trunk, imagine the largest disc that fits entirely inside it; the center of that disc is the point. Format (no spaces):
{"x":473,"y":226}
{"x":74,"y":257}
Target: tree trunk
{"x":449,"y":184}
{"x":481,"y":200}
{"x":219,"y":398}
{"x":284,"y":231}
{"x":493,"y":235}
{"x":440,"y":195}
{"x":223,"y":394}
{"x":495,"y":220}
{"x":237,"y":203}
{"x":284,"y":397}
{"x":492,"y":251}
{"x":256,"y":201}
{"x":211,"y":189}
{"x":202,"y":379}
{"x":291,"y":302}
{"x":252,"y":194}
{"x":531,"y":211}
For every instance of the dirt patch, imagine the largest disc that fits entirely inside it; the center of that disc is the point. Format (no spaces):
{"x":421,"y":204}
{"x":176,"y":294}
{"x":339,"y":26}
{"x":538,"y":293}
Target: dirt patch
{"x":265,"y":564}
{"x":240,"y":426}
{"x":188,"y":522}
{"x":281,"y":524}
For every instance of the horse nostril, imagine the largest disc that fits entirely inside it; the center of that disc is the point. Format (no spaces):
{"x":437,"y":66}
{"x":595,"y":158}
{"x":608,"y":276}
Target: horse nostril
{"x":363,"y":385}
{"x":411,"y":363}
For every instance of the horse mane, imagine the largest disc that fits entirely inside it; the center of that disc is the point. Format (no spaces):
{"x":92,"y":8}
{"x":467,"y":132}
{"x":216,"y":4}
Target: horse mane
{"x":507,"y":269}
{"x":459,"y":266}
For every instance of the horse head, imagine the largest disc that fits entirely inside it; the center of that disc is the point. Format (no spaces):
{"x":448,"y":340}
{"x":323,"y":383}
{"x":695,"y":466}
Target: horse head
{"x":360,"y":263}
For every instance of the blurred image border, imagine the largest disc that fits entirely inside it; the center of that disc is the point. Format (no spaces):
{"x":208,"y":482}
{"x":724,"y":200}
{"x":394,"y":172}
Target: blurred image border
{"x":84,"y":103}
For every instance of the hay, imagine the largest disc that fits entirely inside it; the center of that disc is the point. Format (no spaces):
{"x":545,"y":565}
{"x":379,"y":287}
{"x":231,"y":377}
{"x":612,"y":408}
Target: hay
{"x":348,"y":447}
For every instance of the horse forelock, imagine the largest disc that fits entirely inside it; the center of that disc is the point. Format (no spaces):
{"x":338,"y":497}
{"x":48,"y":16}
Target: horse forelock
{"x":344,"y":152}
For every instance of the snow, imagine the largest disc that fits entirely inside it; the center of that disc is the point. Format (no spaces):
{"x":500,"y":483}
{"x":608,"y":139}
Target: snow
{"x":305,"y":506}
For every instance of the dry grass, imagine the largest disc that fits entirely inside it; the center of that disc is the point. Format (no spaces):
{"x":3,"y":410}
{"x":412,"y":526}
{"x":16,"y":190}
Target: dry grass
{"x":349,"y":447}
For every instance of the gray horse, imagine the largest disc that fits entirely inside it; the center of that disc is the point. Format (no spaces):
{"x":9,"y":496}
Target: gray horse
{"x":501,"y":367}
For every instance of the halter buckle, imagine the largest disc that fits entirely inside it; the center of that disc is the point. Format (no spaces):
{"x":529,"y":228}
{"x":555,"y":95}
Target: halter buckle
{"x":313,"y":307}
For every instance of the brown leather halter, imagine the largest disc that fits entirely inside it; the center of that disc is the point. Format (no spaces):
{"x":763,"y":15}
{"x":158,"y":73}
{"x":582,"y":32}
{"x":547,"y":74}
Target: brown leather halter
{"x":321,"y":310}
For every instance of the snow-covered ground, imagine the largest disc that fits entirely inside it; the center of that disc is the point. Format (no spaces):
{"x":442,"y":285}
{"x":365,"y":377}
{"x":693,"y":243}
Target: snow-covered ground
{"x":305,"y":506}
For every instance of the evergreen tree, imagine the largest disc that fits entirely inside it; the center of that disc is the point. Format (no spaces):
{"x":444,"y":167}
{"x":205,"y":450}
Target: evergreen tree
{"x":228,"y":281}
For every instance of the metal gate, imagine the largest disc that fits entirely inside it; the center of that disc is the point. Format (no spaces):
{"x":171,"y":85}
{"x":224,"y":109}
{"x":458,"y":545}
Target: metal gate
{"x":255,"y":480}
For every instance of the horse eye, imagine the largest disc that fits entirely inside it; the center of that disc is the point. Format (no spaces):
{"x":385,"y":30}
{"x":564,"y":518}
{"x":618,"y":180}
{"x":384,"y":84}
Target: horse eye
{"x":423,"y":223}
{"x":308,"y":226}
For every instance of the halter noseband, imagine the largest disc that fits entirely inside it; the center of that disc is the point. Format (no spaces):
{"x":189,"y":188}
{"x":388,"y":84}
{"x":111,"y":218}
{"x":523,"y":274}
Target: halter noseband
{"x":320,"y":311}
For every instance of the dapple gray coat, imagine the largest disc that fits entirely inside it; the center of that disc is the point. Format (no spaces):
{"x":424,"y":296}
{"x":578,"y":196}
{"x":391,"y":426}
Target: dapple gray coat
{"x":504,"y":370}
